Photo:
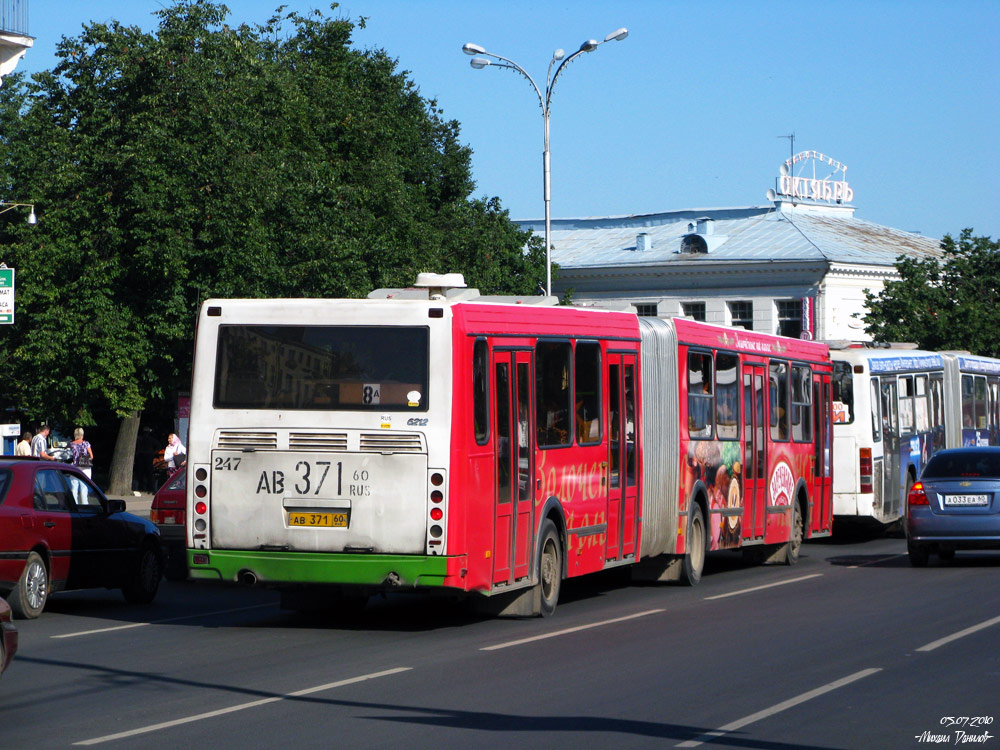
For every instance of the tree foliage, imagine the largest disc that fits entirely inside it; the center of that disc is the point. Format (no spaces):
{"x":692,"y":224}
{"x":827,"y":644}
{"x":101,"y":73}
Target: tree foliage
{"x":202,"y":160}
{"x":941,"y":304}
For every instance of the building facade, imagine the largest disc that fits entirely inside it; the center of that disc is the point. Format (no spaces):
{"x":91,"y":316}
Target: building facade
{"x":14,"y":39}
{"x":798,"y":266}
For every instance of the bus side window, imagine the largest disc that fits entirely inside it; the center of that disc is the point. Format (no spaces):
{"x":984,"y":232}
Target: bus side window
{"x":994,"y":386}
{"x":778,"y":376}
{"x":552,"y":410}
{"x":748,"y":425}
{"x":700,"y":394}
{"x":727,"y":396}
{"x":981,"y":399}
{"x":920,"y":410}
{"x":503,"y":447}
{"x":587,"y":376}
{"x":906,"y":405}
{"x":937,"y":402}
{"x":968,"y":405}
{"x":481,"y":391}
{"x":630,"y":454}
{"x":801,"y":404}
{"x":876,"y":411}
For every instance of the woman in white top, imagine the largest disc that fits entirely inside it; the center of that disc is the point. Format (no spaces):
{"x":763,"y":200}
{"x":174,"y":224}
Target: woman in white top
{"x":175,"y":453}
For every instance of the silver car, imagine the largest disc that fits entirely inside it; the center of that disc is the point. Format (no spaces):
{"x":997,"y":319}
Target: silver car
{"x":955,"y":505}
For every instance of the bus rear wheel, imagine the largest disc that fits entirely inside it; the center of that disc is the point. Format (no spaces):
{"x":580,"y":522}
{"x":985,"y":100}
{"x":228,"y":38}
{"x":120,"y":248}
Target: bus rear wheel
{"x":694,"y":558}
{"x":549,"y":569}
{"x":794,"y":545}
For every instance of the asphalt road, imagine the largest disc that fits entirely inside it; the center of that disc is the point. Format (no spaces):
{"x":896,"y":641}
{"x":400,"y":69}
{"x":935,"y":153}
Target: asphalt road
{"x":851,"y":648}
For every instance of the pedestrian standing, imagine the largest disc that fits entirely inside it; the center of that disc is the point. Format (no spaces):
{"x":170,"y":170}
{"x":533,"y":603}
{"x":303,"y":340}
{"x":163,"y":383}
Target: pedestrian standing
{"x":83,"y":459}
{"x":24,"y":447}
{"x":175,"y":454}
{"x":40,"y":443}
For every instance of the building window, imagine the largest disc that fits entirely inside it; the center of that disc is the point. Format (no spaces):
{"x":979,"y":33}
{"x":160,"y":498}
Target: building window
{"x":741,"y":314}
{"x":646,"y":309}
{"x":694,"y":310}
{"x":789,"y":317}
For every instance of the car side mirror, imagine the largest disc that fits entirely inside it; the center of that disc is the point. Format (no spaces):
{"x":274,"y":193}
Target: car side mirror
{"x":115,"y":505}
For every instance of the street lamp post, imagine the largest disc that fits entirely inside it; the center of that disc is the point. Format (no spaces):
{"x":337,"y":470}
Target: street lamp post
{"x":5,"y":207}
{"x":545,"y":102}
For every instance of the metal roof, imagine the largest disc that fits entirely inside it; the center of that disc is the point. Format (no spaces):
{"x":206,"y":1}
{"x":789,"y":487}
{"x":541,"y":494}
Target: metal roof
{"x":750,"y":234}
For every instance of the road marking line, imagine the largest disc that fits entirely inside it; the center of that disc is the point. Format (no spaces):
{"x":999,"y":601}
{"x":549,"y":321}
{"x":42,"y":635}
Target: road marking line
{"x":765,"y":586}
{"x":570,"y":630}
{"x":874,"y":562}
{"x":158,"y":622}
{"x":960,"y":634}
{"x":241,"y":707}
{"x":779,"y":707}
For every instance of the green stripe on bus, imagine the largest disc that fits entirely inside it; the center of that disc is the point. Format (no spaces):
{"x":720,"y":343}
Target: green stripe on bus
{"x":318,"y":567}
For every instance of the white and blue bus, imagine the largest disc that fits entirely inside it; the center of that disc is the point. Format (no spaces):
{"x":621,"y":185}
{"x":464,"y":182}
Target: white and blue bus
{"x":972,"y":390}
{"x":893,"y":408}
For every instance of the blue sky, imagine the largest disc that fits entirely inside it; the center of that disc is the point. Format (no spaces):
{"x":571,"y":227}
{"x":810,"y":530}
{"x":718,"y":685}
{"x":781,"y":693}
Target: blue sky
{"x":688,"y":111}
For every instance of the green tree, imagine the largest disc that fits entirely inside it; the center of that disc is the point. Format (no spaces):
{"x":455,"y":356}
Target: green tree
{"x":204,"y":161}
{"x":951,"y":302}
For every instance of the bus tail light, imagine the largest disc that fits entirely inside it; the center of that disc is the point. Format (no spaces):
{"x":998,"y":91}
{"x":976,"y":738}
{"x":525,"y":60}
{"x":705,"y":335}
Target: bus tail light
{"x":865,"y":466}
{"x":198,"y":506}
{"x":917,"y":495}
{"x":437,"y":510}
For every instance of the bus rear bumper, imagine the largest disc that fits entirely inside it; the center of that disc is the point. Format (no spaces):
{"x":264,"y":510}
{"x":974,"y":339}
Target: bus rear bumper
{"x":290,"y":568}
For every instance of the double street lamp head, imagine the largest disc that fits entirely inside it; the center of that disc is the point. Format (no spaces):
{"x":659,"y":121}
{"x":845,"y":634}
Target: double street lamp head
{"x":588,"y":46}
{"x":481,"y":60}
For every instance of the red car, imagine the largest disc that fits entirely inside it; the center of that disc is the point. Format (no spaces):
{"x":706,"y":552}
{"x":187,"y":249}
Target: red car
{"x":167,"y":512}
{"x":59,"y":531}
{"x":8,"y":636}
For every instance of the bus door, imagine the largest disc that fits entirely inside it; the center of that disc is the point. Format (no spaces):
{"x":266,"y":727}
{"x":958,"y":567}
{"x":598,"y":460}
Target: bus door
{"x":513,"y":439}
{"x":755,"y":450}
{"x":892,"y":487}
{"x":823,"y":493}
{"x":622,"y":459}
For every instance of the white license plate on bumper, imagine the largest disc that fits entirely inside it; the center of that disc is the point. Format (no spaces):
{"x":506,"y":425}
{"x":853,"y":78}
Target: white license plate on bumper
{"x":953,"y":501}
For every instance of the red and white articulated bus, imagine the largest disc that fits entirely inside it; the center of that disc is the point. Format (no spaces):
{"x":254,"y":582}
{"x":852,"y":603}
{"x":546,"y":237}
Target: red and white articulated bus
{"x":433,"y":438}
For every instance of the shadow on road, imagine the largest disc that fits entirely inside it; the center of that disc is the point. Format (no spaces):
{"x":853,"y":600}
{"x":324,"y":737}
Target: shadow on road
{"x":965,"y":559}
{"x":481,"y":721}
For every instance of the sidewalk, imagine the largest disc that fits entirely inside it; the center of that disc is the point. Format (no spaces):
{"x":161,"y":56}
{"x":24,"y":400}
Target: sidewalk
{"x":137,"y":503}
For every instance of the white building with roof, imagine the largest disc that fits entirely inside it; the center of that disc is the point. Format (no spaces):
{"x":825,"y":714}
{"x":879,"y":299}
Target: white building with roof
{"x":798,"y":266}
{"x":14,"y":39}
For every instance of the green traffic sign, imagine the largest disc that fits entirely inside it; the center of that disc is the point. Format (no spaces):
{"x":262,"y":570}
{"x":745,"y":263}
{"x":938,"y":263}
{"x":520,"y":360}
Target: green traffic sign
{"x":6,"y":295}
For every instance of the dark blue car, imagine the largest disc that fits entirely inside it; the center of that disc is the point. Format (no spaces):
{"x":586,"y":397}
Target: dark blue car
{"x":955,"y":505}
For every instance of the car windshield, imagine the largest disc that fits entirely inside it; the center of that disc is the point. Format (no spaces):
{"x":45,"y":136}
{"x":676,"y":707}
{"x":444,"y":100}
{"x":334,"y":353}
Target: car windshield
{"x":963,"y":464}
